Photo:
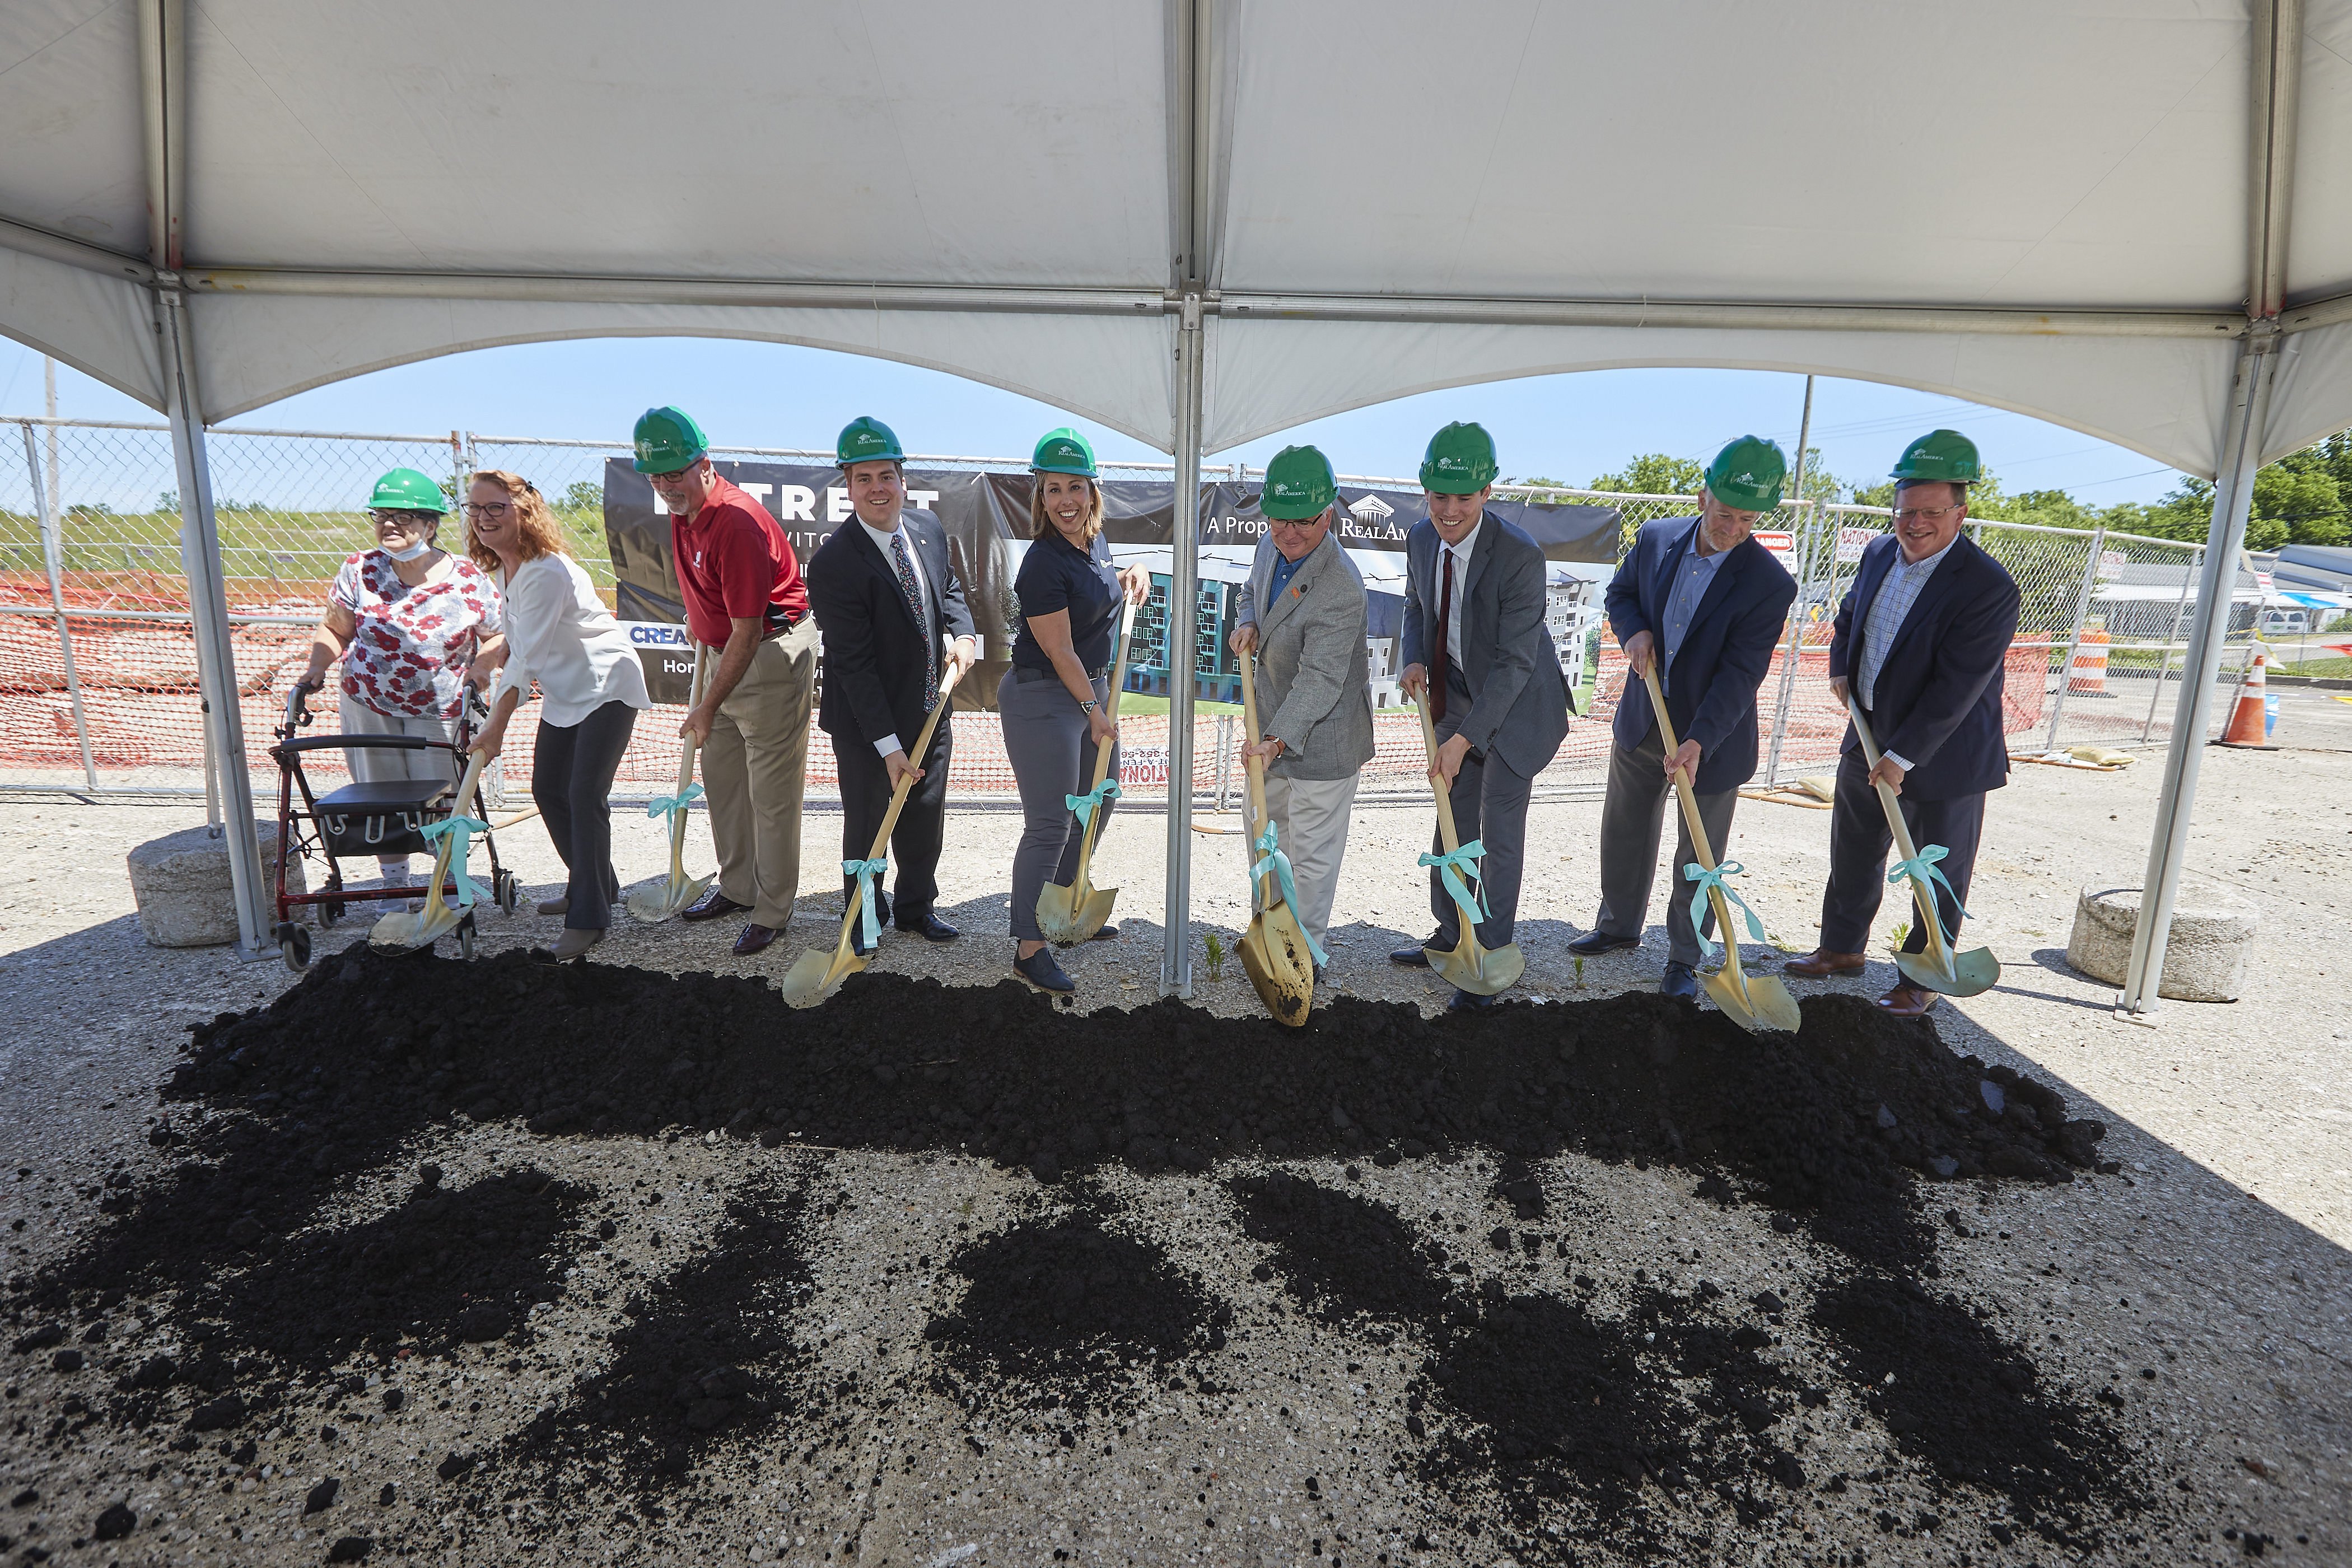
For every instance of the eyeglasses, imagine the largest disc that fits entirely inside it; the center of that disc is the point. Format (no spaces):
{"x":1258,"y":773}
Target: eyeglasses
{"x":486,"y":509}
{"x":1301,"y":523}
{"x":1930,"y":515}
{"x":403,"y":519}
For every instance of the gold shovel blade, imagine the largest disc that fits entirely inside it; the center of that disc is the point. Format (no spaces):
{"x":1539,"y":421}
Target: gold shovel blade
{"x":1068,"y":915}
{"x":1972,"y":972}
{"x":1275,"y":953}
{"x":407,"y":931}
{"x":815,"y":974}
{"x":1482,"y":972}
{"x":1766,"y":1005}
{"x":655,"y":903}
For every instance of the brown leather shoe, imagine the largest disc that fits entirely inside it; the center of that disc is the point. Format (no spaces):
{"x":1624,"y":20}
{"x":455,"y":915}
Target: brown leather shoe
{"x":1821,"y":963}
{"x":755,"y":938}
{"x":710,"y":906}
{"x":1907,"y":1001}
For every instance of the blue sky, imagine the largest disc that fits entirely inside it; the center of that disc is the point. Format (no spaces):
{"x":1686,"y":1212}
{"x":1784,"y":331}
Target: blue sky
{"x":1567,"y":427}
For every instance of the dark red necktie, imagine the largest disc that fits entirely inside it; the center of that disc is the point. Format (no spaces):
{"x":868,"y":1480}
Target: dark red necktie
{"x":1438,"y":654}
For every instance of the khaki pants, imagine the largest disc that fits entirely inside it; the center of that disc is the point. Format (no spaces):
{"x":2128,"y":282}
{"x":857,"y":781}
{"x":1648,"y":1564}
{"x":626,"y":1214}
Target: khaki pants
{"x":752,"y":772}
{"x":1312,"y":818}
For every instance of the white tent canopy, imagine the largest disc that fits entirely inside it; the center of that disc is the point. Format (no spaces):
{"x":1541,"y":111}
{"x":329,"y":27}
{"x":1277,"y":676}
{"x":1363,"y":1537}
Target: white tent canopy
{"x":1203,"y":220}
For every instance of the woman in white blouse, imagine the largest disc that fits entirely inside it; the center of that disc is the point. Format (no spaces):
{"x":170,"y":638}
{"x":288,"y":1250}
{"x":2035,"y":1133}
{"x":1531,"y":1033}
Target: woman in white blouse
{"x":590,"y":682}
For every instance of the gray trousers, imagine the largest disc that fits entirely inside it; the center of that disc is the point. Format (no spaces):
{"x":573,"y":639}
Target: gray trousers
{"x":572,"y":774}
{"x":1313,"y":815}
{"x":1490,"y":804}
{"x":1640,"y":794}
{"x":1045,"y":741}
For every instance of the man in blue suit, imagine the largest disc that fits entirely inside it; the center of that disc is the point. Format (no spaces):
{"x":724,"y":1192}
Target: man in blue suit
{"x":1920,"y":642}
{"x":1477,"y":651}
{"x":1699,"y":598}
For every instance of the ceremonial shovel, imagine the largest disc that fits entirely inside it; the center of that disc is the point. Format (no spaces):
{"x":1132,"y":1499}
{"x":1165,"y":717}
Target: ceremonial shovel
{"x":1939,"y":968}
{"x":655,"y":904}
{"x":1754,"y":1001}
{"x":407,"y":930}
{"x":1074,"y":912}
{"x":1276,"y":950}
{"x":1471,"y":968}
{"x":814,"y":976}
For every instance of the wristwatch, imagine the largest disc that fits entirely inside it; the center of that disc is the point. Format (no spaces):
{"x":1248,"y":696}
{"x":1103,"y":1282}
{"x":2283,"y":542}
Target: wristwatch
{"x":1089,"y":705}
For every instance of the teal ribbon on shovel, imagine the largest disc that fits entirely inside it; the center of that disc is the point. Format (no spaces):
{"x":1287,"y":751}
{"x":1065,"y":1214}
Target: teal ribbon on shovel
{"x":465,"y":827}
{"x":674,"y":804}
{"x":1279,"y":864}
{"x":1454,"y":865}
{"x":1085,"y":804}
{"x":1705,"y":879}
{"x":866,"y":871}
{"x":1923,"y":866}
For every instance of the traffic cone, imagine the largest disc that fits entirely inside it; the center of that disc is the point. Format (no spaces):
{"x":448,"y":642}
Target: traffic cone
{"x":2245,"y":730}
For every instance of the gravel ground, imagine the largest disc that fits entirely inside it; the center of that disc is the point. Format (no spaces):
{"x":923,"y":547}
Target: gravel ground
{"x":2206,"y":1281}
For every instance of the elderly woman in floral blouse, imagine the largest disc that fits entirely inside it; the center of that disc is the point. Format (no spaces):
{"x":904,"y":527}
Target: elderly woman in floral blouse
{"x":405,"y":617}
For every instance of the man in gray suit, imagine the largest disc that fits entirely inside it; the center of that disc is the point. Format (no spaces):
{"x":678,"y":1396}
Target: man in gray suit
{"x":1303,"y":612}
{"x":1477,"y":651}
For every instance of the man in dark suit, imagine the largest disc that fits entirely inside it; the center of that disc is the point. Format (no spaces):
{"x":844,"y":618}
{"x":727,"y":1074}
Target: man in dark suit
{"x":1920,"y":642}
{"x":1702,"y":600}
{"x":1477,"y":651}
{"x":885,"y":596}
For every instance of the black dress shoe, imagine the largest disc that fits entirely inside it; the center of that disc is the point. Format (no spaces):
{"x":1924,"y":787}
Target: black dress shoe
{"x":929,"y":927}
{"x":1679,"y":982}
{"x":1040,"y":972}
{"x":708,"y":907}
{"x":1464,"y":1001}
{"x":1413,"y":956}
{"x":755,"y":938}
{"x":1599,"y":942}
{"x":1105,"y":933}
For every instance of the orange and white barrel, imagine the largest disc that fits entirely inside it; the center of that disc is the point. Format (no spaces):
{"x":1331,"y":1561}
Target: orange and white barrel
{"x":2088,"y":673}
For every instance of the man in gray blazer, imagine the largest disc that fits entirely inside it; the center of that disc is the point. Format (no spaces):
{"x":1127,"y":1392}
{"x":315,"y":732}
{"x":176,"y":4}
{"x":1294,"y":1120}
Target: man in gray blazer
{"x":1477,"y":651}
{"x":1303,"y":612}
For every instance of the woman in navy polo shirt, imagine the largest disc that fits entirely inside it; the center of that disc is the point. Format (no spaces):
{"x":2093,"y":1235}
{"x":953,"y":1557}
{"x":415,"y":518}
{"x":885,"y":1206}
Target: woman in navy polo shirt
{"x":1055,"y":699}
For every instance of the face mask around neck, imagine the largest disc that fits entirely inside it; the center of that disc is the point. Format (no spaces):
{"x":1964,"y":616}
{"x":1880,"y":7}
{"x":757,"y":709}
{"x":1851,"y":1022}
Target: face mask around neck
{"x":413,"y":552}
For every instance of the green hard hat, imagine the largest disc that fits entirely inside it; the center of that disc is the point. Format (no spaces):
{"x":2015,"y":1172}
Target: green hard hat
{"x":406,"y":490}
{"x":668,"y":440}
{"x":1298,"y":484}
{"x":1460,"y":461}
{"x":1940,"y":457}
{"x":867,"y":439}
{"x":1063,"y":451}
{"x":1746,"y":476}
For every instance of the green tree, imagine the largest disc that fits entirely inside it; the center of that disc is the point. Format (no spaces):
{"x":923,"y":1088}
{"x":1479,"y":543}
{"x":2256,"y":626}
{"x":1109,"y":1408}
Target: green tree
{"x":2304,"y":498}
{"x":1654,"y":474}
{"x":582,"y":495}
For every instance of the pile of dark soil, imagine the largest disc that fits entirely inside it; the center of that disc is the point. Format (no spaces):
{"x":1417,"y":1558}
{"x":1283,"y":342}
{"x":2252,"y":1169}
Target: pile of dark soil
{"x":1068,"y":1312}
{"x":1341,"y":1254}
{"x":709,"y":1356}
{"x":442,"y":1269}
{"x":277,"y":1111}
{"x":1973,"y":1408}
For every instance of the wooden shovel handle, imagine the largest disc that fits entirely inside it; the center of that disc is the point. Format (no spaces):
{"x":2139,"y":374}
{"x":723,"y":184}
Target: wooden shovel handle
{"x":686,"y":763}
{"x":1445,"y":831}
{"x":898,"y":795}
{"x":1255,"y":768}
{"x":1699,"y":845}
{"x":1103,"y":751}
{"x":1921,"y":894}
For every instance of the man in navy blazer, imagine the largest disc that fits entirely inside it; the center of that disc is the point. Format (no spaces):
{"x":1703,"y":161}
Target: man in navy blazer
{"x":885,"y":596}
{"x":1698,"y":597}
{"x":1477,"y":651}
{"x":1920,"y":644}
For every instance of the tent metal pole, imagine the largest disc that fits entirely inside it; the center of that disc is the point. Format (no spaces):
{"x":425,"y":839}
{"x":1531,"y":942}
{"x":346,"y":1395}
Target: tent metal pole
{"x":200,"y":559}
{"x":1183,"y":612}
{"x":2232,"y":498}
{"x":1808,"y":522}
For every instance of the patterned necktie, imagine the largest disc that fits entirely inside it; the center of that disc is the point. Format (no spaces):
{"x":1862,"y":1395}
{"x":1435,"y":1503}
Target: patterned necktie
{"x":1439,"y":656}
{"x":915,"y":606}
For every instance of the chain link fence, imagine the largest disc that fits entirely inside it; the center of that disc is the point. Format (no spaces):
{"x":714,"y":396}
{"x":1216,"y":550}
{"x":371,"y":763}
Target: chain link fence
{"x":97,"y":648}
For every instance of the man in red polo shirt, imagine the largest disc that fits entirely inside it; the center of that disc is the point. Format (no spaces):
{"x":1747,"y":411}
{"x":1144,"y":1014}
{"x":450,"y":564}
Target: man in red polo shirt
{"x":746,"y":603}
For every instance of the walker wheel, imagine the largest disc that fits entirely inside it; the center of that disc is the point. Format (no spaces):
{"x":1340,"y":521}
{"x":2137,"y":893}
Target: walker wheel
{"x":466,"y":937}
{"x":507,"y":891}
{"x":295,"y":949}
